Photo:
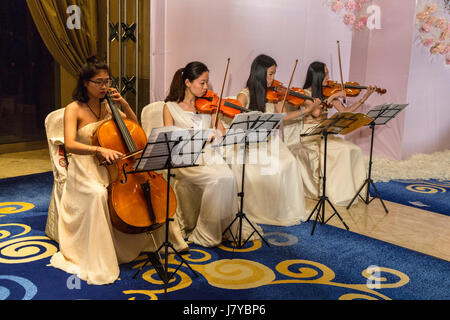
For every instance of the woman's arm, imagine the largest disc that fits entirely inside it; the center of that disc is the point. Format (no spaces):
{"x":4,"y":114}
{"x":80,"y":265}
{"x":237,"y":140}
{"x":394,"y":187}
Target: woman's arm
{"x":340,"y":106}
{"x":242,"y":98}
{"x":312,"y":107}
{"x":70,"y":133}
{"x":127,"y":111}
{"x":220,"y":126}
{"x":167,"y":117}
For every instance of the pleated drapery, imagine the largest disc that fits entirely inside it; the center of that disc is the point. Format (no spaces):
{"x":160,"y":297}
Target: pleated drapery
{"x":69,"y":44}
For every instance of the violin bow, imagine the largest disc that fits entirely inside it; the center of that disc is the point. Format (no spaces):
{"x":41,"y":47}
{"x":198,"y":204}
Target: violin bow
{"x":288,"y":87}
{"x":221,"y":93}
{"x":340,"y":67}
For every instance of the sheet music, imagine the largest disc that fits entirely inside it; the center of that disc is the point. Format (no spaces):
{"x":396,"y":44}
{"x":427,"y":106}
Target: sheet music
{"x":385,"y":112}
{"x":339,"y":123}
{"x":255,"y":125}
{"x":183,"y":145}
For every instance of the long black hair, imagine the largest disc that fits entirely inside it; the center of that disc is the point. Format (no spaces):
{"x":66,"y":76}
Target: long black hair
{"x":257,"y":82}
{"x":89,"y":70}
{"x":314,"y":79}
{"x":191,"y":71}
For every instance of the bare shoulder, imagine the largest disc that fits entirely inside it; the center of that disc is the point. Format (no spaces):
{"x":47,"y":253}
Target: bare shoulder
{"x":73,"y":106}
{"x":72,"y":110}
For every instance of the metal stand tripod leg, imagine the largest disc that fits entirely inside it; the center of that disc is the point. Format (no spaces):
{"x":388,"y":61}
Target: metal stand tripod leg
{"x":369,"y":182}
{"x":241,"y":215}
{"x":320,"y":206}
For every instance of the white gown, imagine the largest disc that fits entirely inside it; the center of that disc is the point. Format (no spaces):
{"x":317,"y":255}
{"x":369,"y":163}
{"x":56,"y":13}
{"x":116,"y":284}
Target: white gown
{"x":89,"y":246}
{"x":346,"y":169}
{"x":209,"y":202}
{"x":273,"y":187}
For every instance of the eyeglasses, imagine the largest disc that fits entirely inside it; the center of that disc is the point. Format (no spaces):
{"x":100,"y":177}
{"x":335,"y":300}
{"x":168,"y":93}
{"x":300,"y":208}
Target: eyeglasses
{"x":101,"y":83}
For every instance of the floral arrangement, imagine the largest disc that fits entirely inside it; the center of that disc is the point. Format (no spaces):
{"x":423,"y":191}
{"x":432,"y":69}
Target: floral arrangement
{"x":433,"y":27}
{"x":353,"y":12}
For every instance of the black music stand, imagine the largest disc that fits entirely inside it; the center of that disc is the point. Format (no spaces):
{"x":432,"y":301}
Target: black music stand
{"x":381,"y":114}
{"x":170,"y":148}
{"x":246,"y":128}
{"x":339,"y":123}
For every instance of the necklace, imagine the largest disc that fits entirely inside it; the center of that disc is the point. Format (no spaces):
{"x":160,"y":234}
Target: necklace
{"x":100,"y":113}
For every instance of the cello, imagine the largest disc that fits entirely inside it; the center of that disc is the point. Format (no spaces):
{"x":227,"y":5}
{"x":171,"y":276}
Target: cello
{"x":137,"y":202}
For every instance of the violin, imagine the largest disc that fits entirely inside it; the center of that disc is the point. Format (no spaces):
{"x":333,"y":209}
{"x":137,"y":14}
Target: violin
{"x":137,"y":202}
{"x":352,"y":89}
{"x":296,"y":96}
{"x":209,"y":102}
{"x":275,"y":92}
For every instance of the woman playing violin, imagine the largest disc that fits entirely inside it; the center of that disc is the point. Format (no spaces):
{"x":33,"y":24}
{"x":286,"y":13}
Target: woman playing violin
{"x":89,"y":245}
{"x":273,"y":187}
{"x":345,"y":160}
{"x":209,"y":192}
{"x":317,"y":80}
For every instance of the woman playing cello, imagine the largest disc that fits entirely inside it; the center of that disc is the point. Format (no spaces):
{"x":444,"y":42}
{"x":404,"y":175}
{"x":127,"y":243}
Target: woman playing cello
{"x":89,"y":245}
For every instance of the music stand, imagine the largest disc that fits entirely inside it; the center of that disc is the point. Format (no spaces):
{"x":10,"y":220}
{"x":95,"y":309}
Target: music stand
{"x":170,"y":148}
{"x":246,"y":128}
{"x":339,"y":123}
{"x":381,"y":114}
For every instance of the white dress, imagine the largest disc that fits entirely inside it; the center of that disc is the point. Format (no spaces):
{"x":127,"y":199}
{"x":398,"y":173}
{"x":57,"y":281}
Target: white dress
{"x":346,"y":169}
{"x":89,"y":246}
{"x":273,"y":187}
{"x":209,"y":203}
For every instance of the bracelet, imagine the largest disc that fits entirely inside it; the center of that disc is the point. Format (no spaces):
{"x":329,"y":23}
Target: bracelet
{"x":95,"y":149}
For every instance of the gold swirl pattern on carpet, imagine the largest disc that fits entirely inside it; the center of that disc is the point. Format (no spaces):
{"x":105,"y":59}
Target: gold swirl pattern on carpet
{"x":17,"y":249}
{"x":239,"y":274}
{"x":428,"y":187}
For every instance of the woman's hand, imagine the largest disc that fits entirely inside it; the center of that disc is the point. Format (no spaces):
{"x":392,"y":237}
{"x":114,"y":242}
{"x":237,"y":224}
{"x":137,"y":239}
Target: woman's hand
{"x":109,"y":155}
{"x":369,"y":91}
{"x":317,"y":108}
{"x":339,"y":94}
{"x":117,"y":97}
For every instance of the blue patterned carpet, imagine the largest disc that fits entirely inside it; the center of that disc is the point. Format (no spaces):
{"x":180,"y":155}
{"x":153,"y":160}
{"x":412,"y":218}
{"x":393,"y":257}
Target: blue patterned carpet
{"x":332,"y":264}
{"x":431,"y":195}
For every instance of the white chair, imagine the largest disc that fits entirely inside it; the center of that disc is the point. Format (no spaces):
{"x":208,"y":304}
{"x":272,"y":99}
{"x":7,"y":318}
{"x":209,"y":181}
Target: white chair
{"x":152,"y":116}
{"x":54,"y":128}
{"x":188,"y":201}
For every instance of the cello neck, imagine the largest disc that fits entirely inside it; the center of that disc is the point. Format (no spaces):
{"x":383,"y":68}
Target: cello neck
{"x":126,"y":136}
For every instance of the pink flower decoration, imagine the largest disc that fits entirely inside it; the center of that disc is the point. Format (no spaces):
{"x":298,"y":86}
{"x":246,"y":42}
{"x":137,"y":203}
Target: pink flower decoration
{"x":441,"y":23}
{"x":350,"y":6}
{"x":446,"y":50}
{"x":439,"y":47}
{"x":426,"y":27}
{"x":431,"y":20}
{"x":349,"y":19}
{"x":432,"y":8}
{"x":360,"y":23}
{"x":422,"y":16}
{"x":428,"y":42}
{"x":336,"y":6}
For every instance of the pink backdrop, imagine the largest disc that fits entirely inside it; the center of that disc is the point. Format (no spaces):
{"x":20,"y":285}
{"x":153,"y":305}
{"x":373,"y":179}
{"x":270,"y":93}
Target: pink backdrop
{"x":213,"y":30}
